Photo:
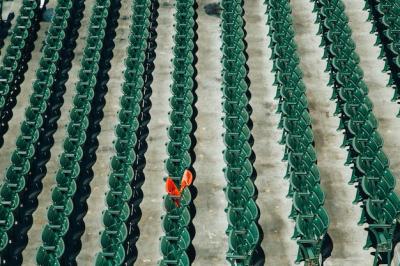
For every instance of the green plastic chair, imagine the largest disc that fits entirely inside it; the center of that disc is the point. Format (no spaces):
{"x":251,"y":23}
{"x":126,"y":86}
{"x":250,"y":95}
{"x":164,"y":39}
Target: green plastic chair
{"x":294,"y":110}
{"x":233,"y":105}
{"x":371,"y":144}
{"x":111,"y":238}
{"x":376,"y":164}
{"x":7,"y":221}
{"x":52,"y":242}
{"x":174,"y":148}
{"x":116,"y":198}
{"x":242,"y":217}
{"x":120,"y":208}
{"x":240,"y":193}
{"x":61,"y":200}
{"x":305,"y":178}
{"x":296,"y":126}
{"x":130,"y":101}
{"x":114,"y":256}
{"x":119,"y":180}
{"x":68,"y":162}
{"x":172,"y":255}
{"x":236,"y":139}
{"x":20,"y":167}
{"x":44,"y":258}
{"x":64,"y":176}
{"x":302,"y":160}
{"x":242,"y":242}
{"x":308,"y":202}
{"x":177,"y":132}
{"x":8,"y":197}
{"x":125,"y":130}
{"x":231,"y":174}
{"x":311,"y":228}
{"x":171,"y":207}
{"x":236,"y":92}
{"x":236,"y":121}
{"x":237,"y":156}
{"x":75,"y":135}
{"x":104,"y":259}
{"x":177,"y":102}
{"x":179,"y":117}
{"x":294,"y":141}
{"x":57,"y":220}
{"x":178,"y":166}
{"x":176,"y":221}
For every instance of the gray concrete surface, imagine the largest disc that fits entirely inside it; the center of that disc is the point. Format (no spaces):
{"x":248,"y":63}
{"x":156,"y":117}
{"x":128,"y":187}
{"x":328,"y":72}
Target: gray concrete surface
{"x":9,"y":7}
{"x":210,"y":221}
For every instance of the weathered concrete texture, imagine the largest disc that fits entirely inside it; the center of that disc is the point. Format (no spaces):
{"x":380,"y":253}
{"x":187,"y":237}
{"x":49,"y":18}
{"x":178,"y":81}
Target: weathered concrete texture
{"x":210,"y":203}
{"x":153,"y":188}
{"x":9,"y":7}
{"x":274,"y":205}
{"x":210,"y":221}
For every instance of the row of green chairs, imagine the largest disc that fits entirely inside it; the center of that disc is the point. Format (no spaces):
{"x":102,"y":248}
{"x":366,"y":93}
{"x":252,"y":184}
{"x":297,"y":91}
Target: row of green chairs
{"x":18,"y":235}
{"x":374,"y":181}
{"x":24,"y":28}
{"x":244,"y":233}
{"x":176,"y":222}
{"x":18,"y":54}
{"x":117,"y":198}
{"x":5,"y":24}
{"x":91,"y":144}
{"x":131,"y":249}
{"x":53,"y":245}
{"x":384,"y":16}
{"x":311,"y":218}
{"x":14,"y":181}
